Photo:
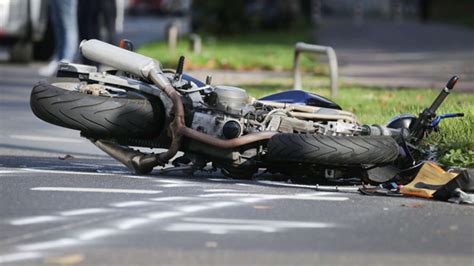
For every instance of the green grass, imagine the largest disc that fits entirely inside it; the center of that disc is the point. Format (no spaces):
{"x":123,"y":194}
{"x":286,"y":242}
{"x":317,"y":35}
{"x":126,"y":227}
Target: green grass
{"x":254,"y":51}
{"x":377,"y":105}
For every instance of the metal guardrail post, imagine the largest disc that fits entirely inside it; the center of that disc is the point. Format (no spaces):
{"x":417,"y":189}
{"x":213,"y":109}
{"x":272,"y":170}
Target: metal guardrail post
{"x":301,"y":47}
{"x":172,"y":36}
{"x":195,"y":43}
{"x":296,"y":71}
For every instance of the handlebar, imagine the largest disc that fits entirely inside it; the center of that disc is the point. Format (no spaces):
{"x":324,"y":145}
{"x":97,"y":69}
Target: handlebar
{"x":443,"y":94}
{"x":422,"y":124}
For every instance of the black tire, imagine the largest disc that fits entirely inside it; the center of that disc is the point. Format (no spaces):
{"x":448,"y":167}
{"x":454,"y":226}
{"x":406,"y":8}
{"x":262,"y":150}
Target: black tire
{"x":332,"y":150}
{"x":97,"y":116}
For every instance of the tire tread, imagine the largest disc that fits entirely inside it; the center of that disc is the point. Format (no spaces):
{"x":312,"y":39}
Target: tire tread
{"x":97,"y":115}
{"x":332,"y":150}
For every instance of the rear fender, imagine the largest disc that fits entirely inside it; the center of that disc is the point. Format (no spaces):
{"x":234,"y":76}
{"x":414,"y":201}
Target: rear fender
{"x":89,"y":74}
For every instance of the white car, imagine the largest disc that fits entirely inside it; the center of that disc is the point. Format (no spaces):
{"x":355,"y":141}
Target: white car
{"x":22,"y":23}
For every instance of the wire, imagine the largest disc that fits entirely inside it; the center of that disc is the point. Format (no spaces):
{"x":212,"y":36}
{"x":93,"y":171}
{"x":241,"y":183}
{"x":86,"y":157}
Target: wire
{"x":405,"y":147}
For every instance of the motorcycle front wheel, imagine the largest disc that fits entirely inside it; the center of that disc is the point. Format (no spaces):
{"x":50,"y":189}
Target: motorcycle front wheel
{"x":332,"y":150}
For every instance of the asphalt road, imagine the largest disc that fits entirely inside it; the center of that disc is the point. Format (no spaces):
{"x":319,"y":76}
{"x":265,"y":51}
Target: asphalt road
{"x":89,"y":210}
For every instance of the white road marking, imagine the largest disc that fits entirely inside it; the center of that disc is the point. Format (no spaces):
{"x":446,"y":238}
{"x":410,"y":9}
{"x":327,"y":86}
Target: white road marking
{"x":58,"y":243}
{"x":317,"y":194}
{"x":219,"y":195}
{"x":95,"y":233}
{"x":124,"y":224}
{"x":65,"y":172}
{"x":19,"y":256}
{"x":224,"y":226}
{"x":177,"y":198}
{"x":278,"y":223}
{"x":220,"y":190}
{"x":212,"y":205}
{"x":163,"y":215}
{"x":172,"y":181}
{"x":319,"y":198}
{"x":130,"y":204}
{"x":86,"y":164}
{"x":193,"y":208}
{"x":100,"y":190}
{"x":34,"y":220}
{"x":132,"y":222}
{"x":249,"y":200}
{"x":46,"y":139}
{"x":119,"y":174}
{"x":83,"y":211}
{"x":10,"y":172}
{"x":139,"y":177}
{"x":246,"y":185}
{"x":216,"y":228}
{"x":178,"y":185}
{"x":222,"y":204}
{"x":210,"y":225}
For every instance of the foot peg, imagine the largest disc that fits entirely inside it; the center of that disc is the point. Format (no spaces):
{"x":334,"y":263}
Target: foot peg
{"x":138,"y":162}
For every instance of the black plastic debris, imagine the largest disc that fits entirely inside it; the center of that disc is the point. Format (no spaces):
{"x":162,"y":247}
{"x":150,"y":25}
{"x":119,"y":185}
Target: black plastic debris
{"x":454,"y":190}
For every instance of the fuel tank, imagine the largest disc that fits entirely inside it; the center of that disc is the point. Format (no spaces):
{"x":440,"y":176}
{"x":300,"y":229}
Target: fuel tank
{"x":303,"y":98}
{"x":291,"y":96}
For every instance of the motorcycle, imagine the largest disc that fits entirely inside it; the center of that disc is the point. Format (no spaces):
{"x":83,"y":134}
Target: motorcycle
{"x":140,"y":104}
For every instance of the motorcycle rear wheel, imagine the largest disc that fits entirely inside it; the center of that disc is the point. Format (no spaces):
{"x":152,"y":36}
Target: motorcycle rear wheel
{"x":96,"y":116}
{"x":332,"y":150}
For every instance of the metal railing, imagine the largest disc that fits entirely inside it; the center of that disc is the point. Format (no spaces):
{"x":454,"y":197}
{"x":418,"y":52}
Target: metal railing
{"x":301,"y":47}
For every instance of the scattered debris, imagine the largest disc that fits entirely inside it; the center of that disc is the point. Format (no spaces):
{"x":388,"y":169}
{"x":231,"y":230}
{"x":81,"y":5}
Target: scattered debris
{"x":430,"y":178}
{"x":66,"y":260}
{"x":459,"y":196}
{"x":66,"y":157}
{"x":413,"y":205}
{"x":381,"y":190}
{"x":211,"y":244}
{"x":430,"y":181}
{"x":262,"y":207}
{"x":464,"y":181}
{"x":336,"y":188}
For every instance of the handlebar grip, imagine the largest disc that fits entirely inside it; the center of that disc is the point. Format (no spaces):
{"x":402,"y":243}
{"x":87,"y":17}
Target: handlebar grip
{"x":118,"y":58}
{"x":425,"y":119}
{"x":179,"y":69}
{"x":443,"y":94}
{"x":452,"y":82}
